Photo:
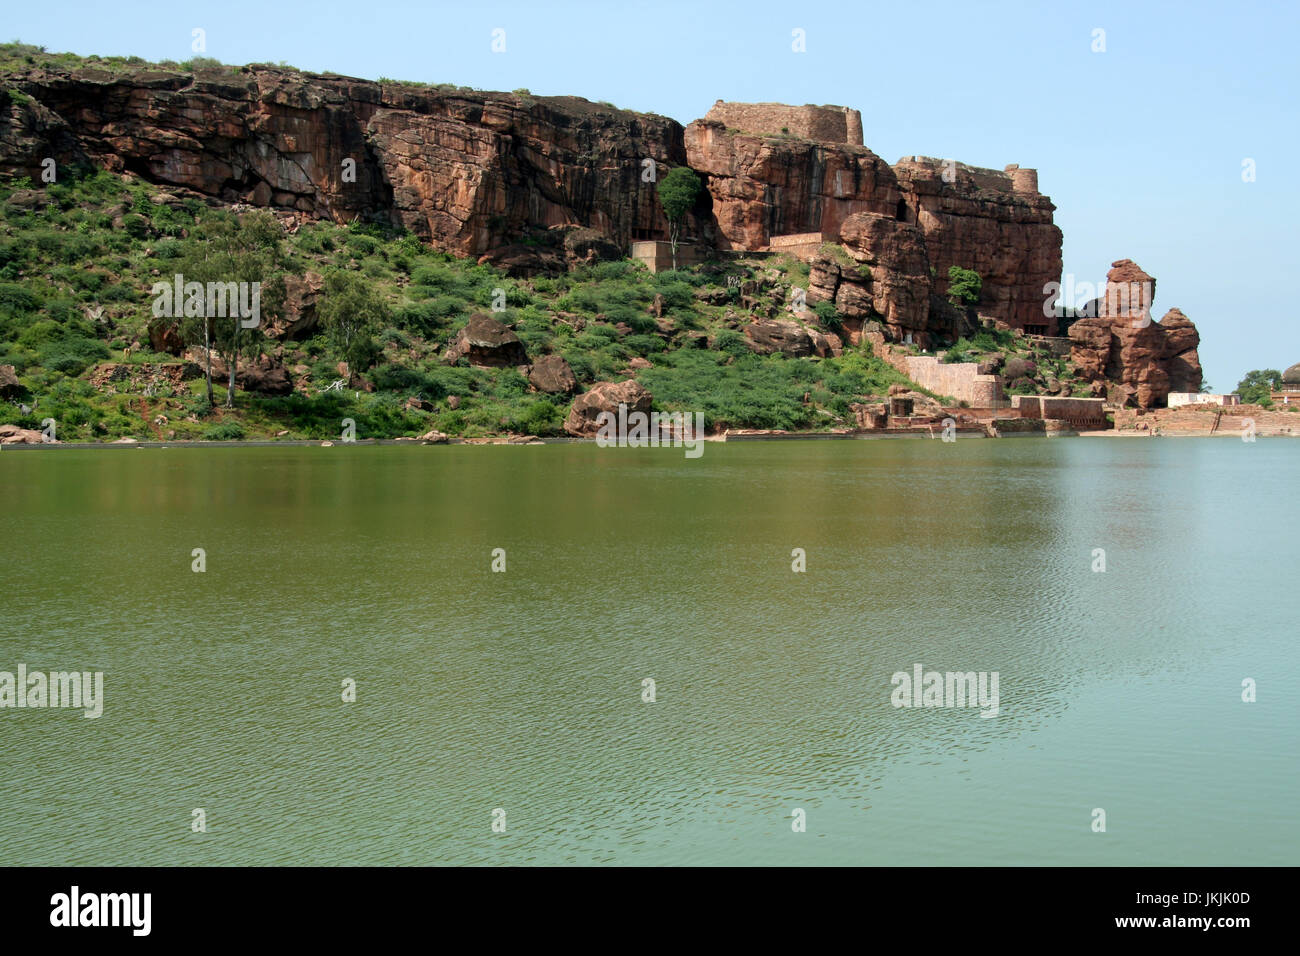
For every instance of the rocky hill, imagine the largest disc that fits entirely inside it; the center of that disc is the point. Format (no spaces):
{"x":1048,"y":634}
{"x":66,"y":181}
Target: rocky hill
{"x":540,"y":186}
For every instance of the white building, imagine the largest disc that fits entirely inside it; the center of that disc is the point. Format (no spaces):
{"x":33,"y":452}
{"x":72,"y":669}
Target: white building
{"x":1177,"y":399}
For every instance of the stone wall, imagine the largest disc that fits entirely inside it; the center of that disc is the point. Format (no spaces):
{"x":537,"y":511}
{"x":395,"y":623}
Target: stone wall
{"x":825,"y":124}
{"x":1086,"y":413}
{"x":658,"y":255}
{"x":801,"y":245}
{"x":1229,"y":421}
{"x":960,"y":380}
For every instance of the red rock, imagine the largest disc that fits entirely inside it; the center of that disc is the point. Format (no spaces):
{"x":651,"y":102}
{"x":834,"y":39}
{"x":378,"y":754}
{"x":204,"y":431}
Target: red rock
{"x":761,"y":187}
{"x":487,"y":342}
{"x":551,"y":373}
{"x":166,"y":337}
{"x":780,"y":335}
{"x":10,"y":387}
{"x":890,"y":279}
{"x":995,"y":222}
{"x":1145,"y":360}
{"x":13,"y":435}
{"x":298,"y":318}
{"x":605,"y":397}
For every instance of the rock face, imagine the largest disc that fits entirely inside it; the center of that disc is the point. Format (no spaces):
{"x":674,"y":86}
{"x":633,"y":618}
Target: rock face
{"x":1143,"y":360}
{"x":996,"y":223}
{"x":467,"y":171}
{"x":762,"y":185}
{"x":475,"y":173}
{"x":487,"y":342}
{"x":298,"y":318}
{"x":890,"y":277}
{"x":605,"y":397}
{"x":759,"y":187}
{"x":31,"y":132}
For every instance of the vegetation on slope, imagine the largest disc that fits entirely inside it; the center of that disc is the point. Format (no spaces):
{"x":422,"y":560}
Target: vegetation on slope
{"x":79,"y":259}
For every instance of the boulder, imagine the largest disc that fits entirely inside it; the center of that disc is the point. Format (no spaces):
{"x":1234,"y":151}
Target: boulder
{"x":166,"y":337}
{"x":1017,"y":367}
{"x":586,"y":246}
{"x":264,"y":376}
{"x":486,"y":342}
{"x":521,"y":261}
{"x":13,"y":435}
{"x":605,"y":397}
{"x":298,"y":318}
{"x":552,"y":374}
{"x":779,"y":335}
{"x":10,"y":387}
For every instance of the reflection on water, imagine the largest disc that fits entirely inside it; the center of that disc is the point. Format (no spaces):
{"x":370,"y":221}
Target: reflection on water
{"x":522,"y":691}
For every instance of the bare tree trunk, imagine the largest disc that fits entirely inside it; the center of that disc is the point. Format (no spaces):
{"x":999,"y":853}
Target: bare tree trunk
{"x":674,"y":230}
{"x":234,"y":364}
{"x":207,"y":350}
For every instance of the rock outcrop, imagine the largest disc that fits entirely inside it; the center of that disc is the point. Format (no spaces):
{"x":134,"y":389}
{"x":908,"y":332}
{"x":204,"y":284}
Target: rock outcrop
{"x":995,"y":222}
{"x":477,"y":173}
{"x":14,"y":435}
{"x":487,"y":342}
{"x":551,"y":373}
{"x":605,"y":397}
{"x":763,"y":186}
{"x":779,"y":335}
{"x":467,"y":171}
{"x":10,"y":387}
{"x":1132,"y":359}
{"x":889,"y":279}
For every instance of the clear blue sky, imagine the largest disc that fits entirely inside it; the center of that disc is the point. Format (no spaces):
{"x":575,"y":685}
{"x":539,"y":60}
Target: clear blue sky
{"x":1140,"y":147}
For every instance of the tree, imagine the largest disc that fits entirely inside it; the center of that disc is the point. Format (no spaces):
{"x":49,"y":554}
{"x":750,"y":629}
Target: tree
{"x":239,"y":263}
{"x":964,"y":286}
{"x":677,"y":194}
{"x":352,"y":313}
{"x":1254,"y":389}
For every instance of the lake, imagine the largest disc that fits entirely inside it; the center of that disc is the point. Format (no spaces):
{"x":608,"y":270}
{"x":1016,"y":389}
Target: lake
{"x":522,"y":690}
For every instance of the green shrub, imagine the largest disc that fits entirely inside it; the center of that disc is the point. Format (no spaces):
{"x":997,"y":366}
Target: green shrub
{"x":225,"y":431}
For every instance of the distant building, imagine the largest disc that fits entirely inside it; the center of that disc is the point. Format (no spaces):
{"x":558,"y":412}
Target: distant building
{"x":1290,"y":391}
{"x":1178,"y":399}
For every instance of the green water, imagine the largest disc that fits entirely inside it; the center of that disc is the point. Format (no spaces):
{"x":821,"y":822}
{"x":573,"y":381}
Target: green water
{"x":522,"y":690}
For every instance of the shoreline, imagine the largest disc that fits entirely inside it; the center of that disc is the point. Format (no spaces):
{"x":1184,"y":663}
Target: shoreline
{"x":865,"y":435}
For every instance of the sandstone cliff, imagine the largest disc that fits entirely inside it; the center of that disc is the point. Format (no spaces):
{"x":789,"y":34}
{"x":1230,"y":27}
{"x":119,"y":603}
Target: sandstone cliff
{"x":475,"y":172}
{"x":466,"y":171}
{"x":995,"y":222}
